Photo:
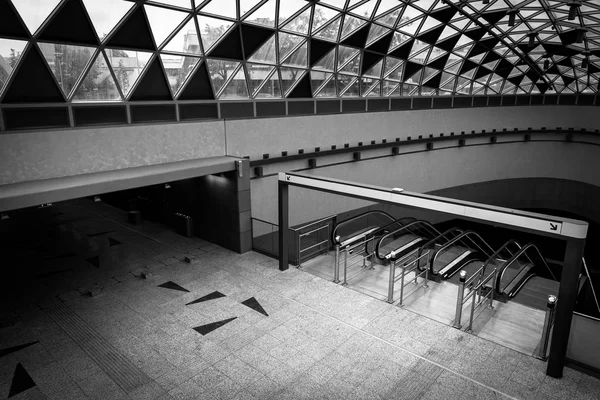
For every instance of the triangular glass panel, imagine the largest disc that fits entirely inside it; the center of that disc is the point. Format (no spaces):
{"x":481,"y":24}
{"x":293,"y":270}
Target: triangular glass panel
{"x":460,"y":23}
{"x":365,"y":10}
{"x":271,"y":87}
{"x":266,"y":53}
{"x":10,"y":54}
{"x":264,"y":15}
{"x":395,"y":74}
{"x":246,"y":6}
{"x":508,"y":88}
{"x":211,"y":30}
{"x":385,"y":6}
{"x":398,"y":39}
{"x":373,"y":90}
{"x":428,"y":73}
{"x":389,"y":87}
{"x":351,"y":25}
{"x":317,"y":79}
{"x":222,"y":8}
{"x":66,"y":62}
{"x":414,"y":78}
{"x":449,"y":86}
{"x":326,"y":63}
{"x":163,"y":22}
{"x":391,"y":18}
{"x":321,"y":16}
{"x":396,"y":92}
{"x":178,"y":68}
{"x":351,"y":88}
{"x":375,"y":32}
{"x":428,"y":24}
{"x":410,"y":13}
{"x":128,"y":66}
{"x":299,"y":58}
{"x":236,"y":88}
{"x":330,"y":32}
{"x":185,"y":41}
{"x":447,"y":32}
{"x":345,"y":54}
{"x":410,"y":28}
{"x":220,"y":72}
{"x":390,"y":65}
{"x":428,"y":91}
{"x":290,"y":7}
{"x":289,"y":77}
{"x":452,"y":66}
{"x":287,"y":44}
{"x":375,"y":70}
{"x":328,"y":89}
{"x":34,"y":12}
{"x":98,"y":84}
{"x":257,"y":73}
{"x":352,"y":66}
{"x":419,"y":55}
{"x":299,"y":23}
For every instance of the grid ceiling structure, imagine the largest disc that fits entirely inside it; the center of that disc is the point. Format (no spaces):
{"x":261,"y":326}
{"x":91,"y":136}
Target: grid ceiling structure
{"x":119,"y":50}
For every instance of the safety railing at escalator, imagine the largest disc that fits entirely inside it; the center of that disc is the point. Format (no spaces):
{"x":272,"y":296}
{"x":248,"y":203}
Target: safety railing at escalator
{"x":407,"y":264}
{"x":512,"y":284}
{"x":432,"y":244}
{"x":314,"y":237}
{"x":476,"y":284}
{"x":542,"y":350}
{"x":469,"y":240}
{"x":265,"y":237}
{"x":362,"y":220}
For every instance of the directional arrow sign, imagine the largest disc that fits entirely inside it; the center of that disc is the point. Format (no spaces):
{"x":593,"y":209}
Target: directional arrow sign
{"x":553,"y":227}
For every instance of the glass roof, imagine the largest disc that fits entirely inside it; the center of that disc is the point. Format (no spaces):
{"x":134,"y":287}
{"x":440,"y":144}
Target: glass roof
{"x":236,"y":49}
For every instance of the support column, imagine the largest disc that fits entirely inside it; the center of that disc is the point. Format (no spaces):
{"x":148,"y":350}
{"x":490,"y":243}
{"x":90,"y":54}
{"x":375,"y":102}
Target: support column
{"x":283,"y":206}
{"x":567,"y":295}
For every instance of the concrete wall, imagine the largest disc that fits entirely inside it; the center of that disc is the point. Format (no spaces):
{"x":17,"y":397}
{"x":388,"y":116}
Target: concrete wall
{"x":27,"y":156}
{"x":273,"y":135}
{"x":440,"y":169}
{"x":31,"y":156}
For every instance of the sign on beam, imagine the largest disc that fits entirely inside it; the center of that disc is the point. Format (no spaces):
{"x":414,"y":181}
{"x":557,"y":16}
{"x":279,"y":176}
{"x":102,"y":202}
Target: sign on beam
{"x":506,"y":216}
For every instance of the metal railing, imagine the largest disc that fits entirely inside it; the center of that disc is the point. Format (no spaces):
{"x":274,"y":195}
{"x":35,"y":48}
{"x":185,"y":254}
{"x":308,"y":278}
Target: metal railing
{"x":460,"y":238}
{"x":477,"y":300}
{"x":360,"y":256}
{"x":300,"y":235}
{"x":356,"y":218}
{"x":264,"y":237}
{"x":587,"y":272}
{"x":514,"y":258}
{"x":434,"y":241}
{"x":542,"y":349}
{"x":461,"y":300}
{"x":494,"y":257}
{"x":408,"y":267}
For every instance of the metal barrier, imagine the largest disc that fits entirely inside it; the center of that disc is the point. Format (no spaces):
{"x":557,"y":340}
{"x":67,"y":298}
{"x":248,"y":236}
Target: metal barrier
{"x":477,"y":299}
{"x":300,"y":235}
{"x":349,"y":249}
{"x":407,"y":267}
{"x":548,"y":323}
{"x":463,"y":283}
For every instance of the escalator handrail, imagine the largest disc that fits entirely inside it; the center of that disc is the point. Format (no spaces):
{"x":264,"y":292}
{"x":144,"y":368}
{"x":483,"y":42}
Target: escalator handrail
{"x":405,"y":227}
{"x":454,"y":240}
{"x":401,"y":221}
{"x":495,"y":255}
{"x":435,"y":239}
{"x":338,"y":225}
{"x":518,"y":254}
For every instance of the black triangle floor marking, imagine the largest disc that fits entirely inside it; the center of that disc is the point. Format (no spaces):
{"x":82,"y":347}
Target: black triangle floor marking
{"x":210,"y":296}
{"x":21,"y":381}
{"x":113,"y":242}
{"x":95,"y":261}
{"x":9,"y":350}
{"x":255,"y":305}
{"x":208,"y":328}
{"x":172,"y":285}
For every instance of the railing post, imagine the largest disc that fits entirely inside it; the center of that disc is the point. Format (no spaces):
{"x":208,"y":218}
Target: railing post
{"x":345,"y":283}
{"x":372,"y":253}
{"x":491,"y":306}
{"x":336,"y":264}
{"x":550,"y":307}
{"x":391,"y":283}
{"x":474,"y":297}
{"x":299,"y":236}
{"x":459,"y":299}
{"x":402,"y":283}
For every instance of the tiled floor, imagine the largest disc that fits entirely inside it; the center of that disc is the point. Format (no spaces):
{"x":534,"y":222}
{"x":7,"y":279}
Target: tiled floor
{"x":105,"y":312}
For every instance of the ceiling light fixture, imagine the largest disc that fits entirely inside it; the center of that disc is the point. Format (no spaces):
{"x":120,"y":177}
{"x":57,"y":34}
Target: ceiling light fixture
{"x":546,"y":65}
{"x":532,"y":40}
{"x":584,"y":63}
{"x":580,"y":35}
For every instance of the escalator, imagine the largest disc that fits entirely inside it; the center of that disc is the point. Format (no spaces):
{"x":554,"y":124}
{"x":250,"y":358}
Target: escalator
{"x":362,"y":226}
{"x":525,"y":281}
{"x":402,"y":240}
